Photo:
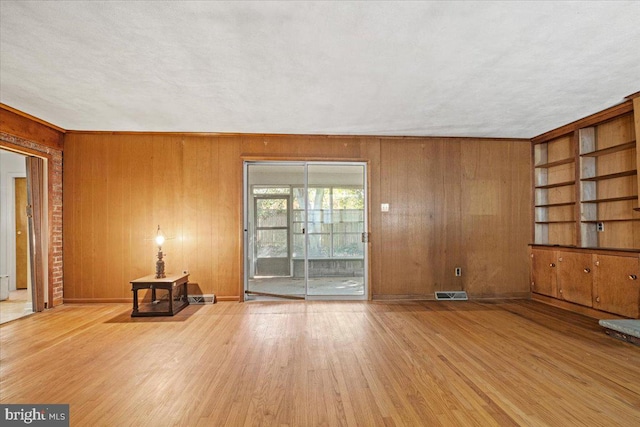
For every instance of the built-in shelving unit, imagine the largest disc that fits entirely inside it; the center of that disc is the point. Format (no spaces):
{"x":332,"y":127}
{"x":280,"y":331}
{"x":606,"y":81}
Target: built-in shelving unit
{"x":586,"y":227}
{"x":585,"y":177}
{"x":554,"y":192}
{"x":609,"y":184}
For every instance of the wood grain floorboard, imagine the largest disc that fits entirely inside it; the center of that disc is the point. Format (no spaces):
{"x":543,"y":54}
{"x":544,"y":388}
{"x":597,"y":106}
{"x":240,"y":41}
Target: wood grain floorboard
{"x":391,"y":363}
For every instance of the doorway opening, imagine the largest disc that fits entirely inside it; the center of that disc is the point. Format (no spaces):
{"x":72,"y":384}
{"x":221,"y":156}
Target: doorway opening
{"x":305,"y":230}
{"x":22,"y":249}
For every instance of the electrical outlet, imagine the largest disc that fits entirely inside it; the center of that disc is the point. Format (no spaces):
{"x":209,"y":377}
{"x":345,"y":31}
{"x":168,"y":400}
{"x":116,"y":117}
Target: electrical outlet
{"x":600,"y":226}
{"x":458,"y":272}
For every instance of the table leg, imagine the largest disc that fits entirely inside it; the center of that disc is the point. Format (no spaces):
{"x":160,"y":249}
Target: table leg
{"x":135,"y":300}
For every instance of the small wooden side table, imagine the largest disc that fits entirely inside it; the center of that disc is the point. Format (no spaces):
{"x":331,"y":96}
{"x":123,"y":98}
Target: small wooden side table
{"x":174,"y":284}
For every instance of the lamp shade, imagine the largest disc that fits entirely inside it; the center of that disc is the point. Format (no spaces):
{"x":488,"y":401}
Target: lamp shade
{"x":159,"y":237}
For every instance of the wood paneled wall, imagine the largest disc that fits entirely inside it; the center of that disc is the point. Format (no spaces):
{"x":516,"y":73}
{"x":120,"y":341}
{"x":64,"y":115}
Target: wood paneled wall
{"x":454,"y":203}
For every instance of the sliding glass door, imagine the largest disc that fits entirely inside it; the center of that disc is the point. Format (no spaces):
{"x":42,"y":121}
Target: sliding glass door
{"x":305,"y":227}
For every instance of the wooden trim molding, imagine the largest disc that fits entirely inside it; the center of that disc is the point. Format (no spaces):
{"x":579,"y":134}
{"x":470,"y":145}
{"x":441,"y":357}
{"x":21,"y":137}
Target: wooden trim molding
{"x":576,"y":308}
{"x":393,"y":297}
{"x":474,"y":297}
{"x":633,"y":95}
{"x":127,"y":300}
{"x":591,"y":120}
{"x":98,"y":300}
{"x":298,"y":158}
{"x":54,"y":214}
{"x":34,"y":131}
{"x":32,"y":118}
{"x":289,"y":135}
{"x":600,"y":251}
{"x":228,"y":298}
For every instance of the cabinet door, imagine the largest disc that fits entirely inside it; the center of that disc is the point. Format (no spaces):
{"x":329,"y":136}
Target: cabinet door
{"x":543,"y":272}
{"x":575,"y":277}
{"x":617,"y":285}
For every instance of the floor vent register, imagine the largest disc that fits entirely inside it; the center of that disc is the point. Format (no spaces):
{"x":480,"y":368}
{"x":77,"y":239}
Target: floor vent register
{"x":451,"y":296}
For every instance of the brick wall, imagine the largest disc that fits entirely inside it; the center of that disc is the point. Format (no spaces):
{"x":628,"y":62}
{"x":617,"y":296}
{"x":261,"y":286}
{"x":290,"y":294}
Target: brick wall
{"x":54,"y":168}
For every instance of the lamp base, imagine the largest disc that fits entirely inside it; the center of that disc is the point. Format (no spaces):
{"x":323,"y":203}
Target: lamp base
{"x":160,"y":267}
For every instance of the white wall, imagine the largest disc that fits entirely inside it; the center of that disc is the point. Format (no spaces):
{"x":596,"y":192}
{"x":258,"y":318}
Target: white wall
{"x":11,"y":166}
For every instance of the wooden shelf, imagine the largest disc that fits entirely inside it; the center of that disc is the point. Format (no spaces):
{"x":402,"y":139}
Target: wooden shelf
{"x":614,"y":149}
{"x":555,"y":163}
{"x":558,"y":184}
{"x":611,"y":199}
{"x":610,"y":220}
{"x":611,"y":176}
{"x":554,"y":205}
{"x":594,"y":249}
{"x":556,"y":222}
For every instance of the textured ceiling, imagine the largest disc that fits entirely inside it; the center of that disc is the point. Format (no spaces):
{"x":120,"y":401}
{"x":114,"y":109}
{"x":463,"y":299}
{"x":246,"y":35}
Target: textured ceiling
{"x":506,"y":69}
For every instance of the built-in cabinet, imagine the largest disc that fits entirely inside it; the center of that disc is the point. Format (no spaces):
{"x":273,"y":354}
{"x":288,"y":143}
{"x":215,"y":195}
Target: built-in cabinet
{"x":543,"y":272}
{"x":605,"y":282}
{"x":586,"y":229}
{"x":617,"y":288}
{"x":575,"y":277}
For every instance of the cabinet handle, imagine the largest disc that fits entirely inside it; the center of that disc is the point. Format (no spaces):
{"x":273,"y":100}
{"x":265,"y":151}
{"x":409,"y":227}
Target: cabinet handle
{"x":597,"y":299}
{"x":560,"y":259}
{"x":632,"y":277}
{"x":552,"y":265}
{"x":560,"y":290}
{"x":587,"y":270}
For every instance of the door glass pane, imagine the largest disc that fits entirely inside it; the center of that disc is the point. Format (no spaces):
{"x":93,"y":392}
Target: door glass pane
{"x":271,"y":244}
{"x":272,"y":212}
{"x":335,"y":225}
{"x":347,"y":245}
{"x":319,"y":246}
{"x":298,"y":246}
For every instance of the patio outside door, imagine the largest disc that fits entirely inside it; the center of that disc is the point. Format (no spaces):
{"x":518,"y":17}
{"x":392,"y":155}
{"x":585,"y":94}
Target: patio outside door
{"x":304,"y":228}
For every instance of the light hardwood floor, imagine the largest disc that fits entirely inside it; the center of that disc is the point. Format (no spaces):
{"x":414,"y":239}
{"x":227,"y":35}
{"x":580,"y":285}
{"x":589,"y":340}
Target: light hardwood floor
{"x":323,"y":363}
{"x":16,"y":306}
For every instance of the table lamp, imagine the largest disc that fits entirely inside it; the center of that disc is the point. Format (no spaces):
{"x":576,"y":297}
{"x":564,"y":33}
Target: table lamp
{"x":160,"y":263}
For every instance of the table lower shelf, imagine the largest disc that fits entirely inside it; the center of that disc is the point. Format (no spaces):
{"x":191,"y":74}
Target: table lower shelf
{"x":160,"y":308}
